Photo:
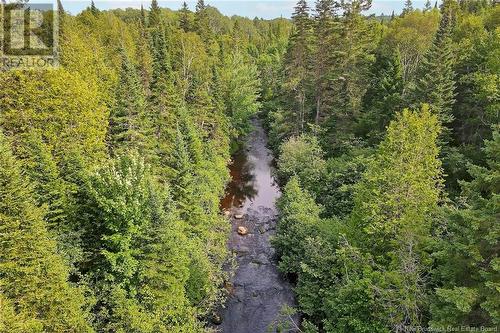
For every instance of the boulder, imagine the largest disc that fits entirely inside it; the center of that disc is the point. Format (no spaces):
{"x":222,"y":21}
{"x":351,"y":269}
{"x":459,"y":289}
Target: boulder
{"x":242,"y":231}
{"x":238,"y":216}
{"x":241,"y":250}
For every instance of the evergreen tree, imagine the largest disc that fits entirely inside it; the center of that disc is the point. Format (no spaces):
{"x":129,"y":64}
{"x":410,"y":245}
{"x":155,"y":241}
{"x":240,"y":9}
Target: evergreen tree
{"x":350,"y":70}
{"x":162,"y":65}
{"x":474,"y":110}
{"x":184,"y":173}
{"x":154,"y":15}
{"x":164,"y":102}
{"x":34,"y":278}
{"x":324,"y":32}
{"x":93,"y":8}
{"x":436,"y":84}
{"x":126,"y":125}
{"x":200,"y":5}
{"x":408,"y":7}
{"x":467,"y":273}
{"x":61,"y":16}
{"x":143,"y":52}
{"x":201,"y":22}
{"x":41,"y":169}
{"x":184,"y":20}
{"x":297,"y":66}
{"x":143,"y":17}
{"x":427,"y":6}
{"x":60,"y":9}
{"x":383,"y":97}
{"x":165,"y":261}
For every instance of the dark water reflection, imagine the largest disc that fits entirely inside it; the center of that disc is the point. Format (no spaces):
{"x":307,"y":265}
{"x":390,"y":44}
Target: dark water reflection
{"x":252,"y":181}
{"x":242,"y":185}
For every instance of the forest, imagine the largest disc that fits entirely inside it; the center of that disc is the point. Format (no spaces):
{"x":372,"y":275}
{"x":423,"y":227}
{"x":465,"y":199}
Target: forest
{"x":387,"y":142}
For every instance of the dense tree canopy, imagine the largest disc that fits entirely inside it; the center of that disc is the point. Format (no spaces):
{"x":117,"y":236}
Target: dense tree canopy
{"x":113,"y":165}
{"x":388,"y":220}
{"x":385,"y":129}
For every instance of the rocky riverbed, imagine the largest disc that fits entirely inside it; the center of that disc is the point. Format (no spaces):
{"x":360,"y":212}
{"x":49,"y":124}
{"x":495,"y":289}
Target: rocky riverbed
{"x":257,"y":291}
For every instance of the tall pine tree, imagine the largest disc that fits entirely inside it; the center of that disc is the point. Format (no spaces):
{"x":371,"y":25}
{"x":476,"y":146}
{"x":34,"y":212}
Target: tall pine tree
{"x":408,"y":8}
{"x":467,"y":273}
{"x":324,"y":31}
{"x":154,"y":14}
{"x":201,"y":21}
{"x":184,"y":19}
{"x":436,"y":84}
{"x":33,"y":277}
{"x":383,"y":97}
{"x":93,"y":8}
{"x":427,"y":6}
{"x":126,"y":125}
{"x":164,"y":101}
{"x":297,"y":66}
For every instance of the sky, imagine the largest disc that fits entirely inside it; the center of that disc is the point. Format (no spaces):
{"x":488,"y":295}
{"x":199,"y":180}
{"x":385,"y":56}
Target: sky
{"x":266,"y":9}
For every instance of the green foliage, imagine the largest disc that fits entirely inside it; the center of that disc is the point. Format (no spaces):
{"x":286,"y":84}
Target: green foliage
{"x":127,"y":118}
{"x":144,"y":235}
{"x":393,"y":204}
{"x":411,"y":36}
{"x":303,"y":157}
{"x":331,"y":182}
{"x":436,"y":84}
{"x":154,"y":15}
{"x":59,"y":104}
{"x":296,"y":66}
{"x":390,"y":248}
{"x":135,"y":249}
{"x":299,"y":216}
{"x":467,"y":272}
{"x":382,"y":98}
{"x":402,"y":185}
{"x":336,"y":189}
{"x":241,"y":91}
{"x":355,"y":275}
{"x":120,"y":163}
{"x":185,"y":19}
{"x":12,"y":322}
{"x":33,"y":277}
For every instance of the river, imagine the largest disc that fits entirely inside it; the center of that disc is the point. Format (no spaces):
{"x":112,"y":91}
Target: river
{"x":257,"y":291}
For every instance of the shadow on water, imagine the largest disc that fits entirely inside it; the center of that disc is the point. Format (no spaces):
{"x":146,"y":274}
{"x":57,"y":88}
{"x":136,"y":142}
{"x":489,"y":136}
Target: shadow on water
{"x":242,"y":186}
{"x":257,"y":291}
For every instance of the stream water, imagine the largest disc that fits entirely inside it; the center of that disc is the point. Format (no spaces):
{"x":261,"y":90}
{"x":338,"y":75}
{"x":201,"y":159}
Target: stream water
{"x":257,"y":290}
